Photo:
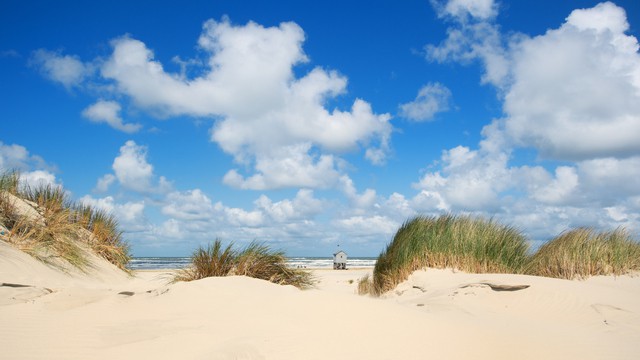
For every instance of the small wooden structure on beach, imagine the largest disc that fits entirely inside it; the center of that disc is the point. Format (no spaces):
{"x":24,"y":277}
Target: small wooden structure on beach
{"x":340,"y":260}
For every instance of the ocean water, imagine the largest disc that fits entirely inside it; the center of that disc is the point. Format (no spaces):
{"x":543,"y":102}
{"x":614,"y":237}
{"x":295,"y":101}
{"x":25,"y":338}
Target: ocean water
{"x":162,"y":263}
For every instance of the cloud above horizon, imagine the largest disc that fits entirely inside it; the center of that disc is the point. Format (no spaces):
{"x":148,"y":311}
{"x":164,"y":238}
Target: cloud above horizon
{"x":572,"y":94}
{"x":569,"y":100}
{"x":108,"y":112}
{"x":264,"y":116}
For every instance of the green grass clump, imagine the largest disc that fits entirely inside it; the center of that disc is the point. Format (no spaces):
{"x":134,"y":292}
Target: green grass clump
{"x":107,"y":240}
{"x":257,"y":260}
{"x":584,"y":252}
{"x":9,"y":181}
{"x":57,"y":231}
{"x":53,"y":237}
{"x":466,"y":243}
{"x":365,"y":285}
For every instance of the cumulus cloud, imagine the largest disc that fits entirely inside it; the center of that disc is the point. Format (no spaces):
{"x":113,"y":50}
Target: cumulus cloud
{"x":468,"y":179}
{"x":130,"y":215}
{"x":572,"y":94}
{"x":17,"y":157}
{"x":133,"y":172}
{"x":189,"y":205}
{"x":576,"y":89}
{"x":291,"y":166}
{"x":266,"y":116}
{"x":37,"y":178}
{"x":432,"y":99}
{"x":104,"y":183}
{"x":473,"y":35}
{"x":65,"y":69}
{"x":461,"y":9}
{"x":303,"y":206}
{"x":108,"y":112}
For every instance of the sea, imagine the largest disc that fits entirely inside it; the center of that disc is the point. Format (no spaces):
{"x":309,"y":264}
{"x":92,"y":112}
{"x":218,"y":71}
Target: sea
{"x":302,"y":262}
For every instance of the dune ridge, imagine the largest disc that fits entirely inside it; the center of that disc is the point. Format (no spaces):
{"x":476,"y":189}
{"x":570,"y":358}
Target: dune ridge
{"x":435,"y":313}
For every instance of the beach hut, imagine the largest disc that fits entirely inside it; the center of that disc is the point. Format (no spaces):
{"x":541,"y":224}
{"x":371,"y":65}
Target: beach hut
{"x":340,"y":260}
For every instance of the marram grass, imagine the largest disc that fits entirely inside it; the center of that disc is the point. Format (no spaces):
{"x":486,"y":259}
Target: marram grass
{"x":106,"y":237}
{"x":585,"y":252}
{"x":60,"y":230}
{"x":256,"y":260}
{"x":365,"y":285}
{"x":466,"y":243}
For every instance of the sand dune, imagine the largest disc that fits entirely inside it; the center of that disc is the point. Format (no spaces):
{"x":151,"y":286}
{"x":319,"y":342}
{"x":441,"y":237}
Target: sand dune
{"x":435,"y":314}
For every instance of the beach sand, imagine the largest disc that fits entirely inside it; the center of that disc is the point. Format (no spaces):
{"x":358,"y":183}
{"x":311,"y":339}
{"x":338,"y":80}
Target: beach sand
{"x":435,"y":314}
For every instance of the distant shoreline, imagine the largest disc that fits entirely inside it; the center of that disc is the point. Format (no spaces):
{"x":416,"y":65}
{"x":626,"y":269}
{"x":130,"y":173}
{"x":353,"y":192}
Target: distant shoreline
{"x":311,"y":263}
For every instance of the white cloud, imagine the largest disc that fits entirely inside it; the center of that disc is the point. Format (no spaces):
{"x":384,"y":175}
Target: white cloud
{"x":472,"y":36}
{"x":572,"y":94}
{"x":468,"y":179}
{"x":576,"y":90}
{"x":303,"y":206}
{"x":197,"y":217}
{"x":172,"y":228}
{"x":189,"y":205}
{"x":37,"y":178}
{"x":360,"y":226}
{"x":134,"y":172}
{"x":290,"y":166}
{"x":65,"y":69}
{"x":266,"y":115}
{"x":560,"y":189}
{"x":17,"y":157}
{"x":358,"y":203}
{"x":609,"y":178}
{"x":130,"y":215}
{"x":104,"y":183}
{"x":432,"y":99}
{"x":108,"y":112}
{"x":461,"y":9}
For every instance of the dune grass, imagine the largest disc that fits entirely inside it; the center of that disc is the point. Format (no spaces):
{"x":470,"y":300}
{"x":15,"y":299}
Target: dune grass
{"x":256,"y":260}
{"x":365,"y":285}
{"x":54,"y":237}
{"x":477,"y":245}
{"x":106,"y":240}
{"x":57,"y":232}
{"x":585,"y":252}
{"x":9,"y":181}
{"x":466,"y":243}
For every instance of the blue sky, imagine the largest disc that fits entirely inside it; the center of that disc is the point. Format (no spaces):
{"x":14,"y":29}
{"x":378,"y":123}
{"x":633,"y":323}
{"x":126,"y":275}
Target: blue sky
{"x":312,"y":124}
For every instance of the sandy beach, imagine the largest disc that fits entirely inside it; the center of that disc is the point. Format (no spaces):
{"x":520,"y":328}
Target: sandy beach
{"x":105,"y":314}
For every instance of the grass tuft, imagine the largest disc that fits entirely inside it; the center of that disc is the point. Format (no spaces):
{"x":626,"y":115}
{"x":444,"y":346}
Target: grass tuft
{"x":57,"y":231}
{"x":106,"y":240}
{"x":584,"y":252}
{"x":257,"y":260}
{"x":466,"y":243}
{"x":365,"y":285}
{"x":9,"y":181}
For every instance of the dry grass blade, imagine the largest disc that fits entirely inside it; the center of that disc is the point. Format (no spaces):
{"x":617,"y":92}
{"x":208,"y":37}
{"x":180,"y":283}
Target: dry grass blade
{"x":462,"y":242}
{"x":584,"y":252}
{"x":53,"y":228}
{"x":365,"y":285}
{"x":208,"y":262}
{"x":9,"y":181}
{"x":256,"y":260}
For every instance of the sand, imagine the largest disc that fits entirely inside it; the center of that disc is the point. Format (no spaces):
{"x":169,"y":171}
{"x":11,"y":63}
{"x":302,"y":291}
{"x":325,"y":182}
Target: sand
{"x":436,"y":314}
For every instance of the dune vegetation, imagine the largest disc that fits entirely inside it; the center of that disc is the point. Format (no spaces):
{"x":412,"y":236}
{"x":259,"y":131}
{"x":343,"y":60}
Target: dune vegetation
{"x":462,"y":242}
{"x":256,"y":260}
{"x":585,"y":252}
{"x":477,"y":245}
{"x":45,"y":223}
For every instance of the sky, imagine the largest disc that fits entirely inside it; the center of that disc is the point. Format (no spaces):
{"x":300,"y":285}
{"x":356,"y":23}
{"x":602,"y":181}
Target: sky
{"x":316,"y":125}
